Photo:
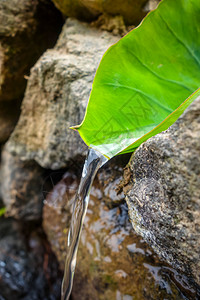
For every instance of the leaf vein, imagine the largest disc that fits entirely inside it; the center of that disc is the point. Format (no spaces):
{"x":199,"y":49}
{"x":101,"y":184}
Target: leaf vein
{"x":157,"y":75}
{"x":140,"y":92}
{"x":180,"y":41}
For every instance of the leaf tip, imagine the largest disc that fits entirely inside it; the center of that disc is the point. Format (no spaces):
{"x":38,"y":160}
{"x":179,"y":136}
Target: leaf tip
{"x":74,"y":127}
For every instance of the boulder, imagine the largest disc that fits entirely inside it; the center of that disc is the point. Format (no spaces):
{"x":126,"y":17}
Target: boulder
{"x":56,"y":97}
{"x":113,"y":262}
{"x":131,"y":10}
{"x":21,"y":187}
{"x":27,"y":29}
{"x":162,"y":192}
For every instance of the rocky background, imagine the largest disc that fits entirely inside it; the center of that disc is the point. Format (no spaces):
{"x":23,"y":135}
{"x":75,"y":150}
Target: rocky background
{"x":49,"y":52}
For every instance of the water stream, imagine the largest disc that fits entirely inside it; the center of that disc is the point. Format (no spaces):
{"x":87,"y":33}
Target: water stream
{"x":93,"y":162}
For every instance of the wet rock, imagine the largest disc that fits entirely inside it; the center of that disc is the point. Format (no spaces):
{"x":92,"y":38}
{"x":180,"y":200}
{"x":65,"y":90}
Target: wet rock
{"x":56,"y":97}
{"x":21,"y":187}
{"x":132,"y":11}
{"x":113,"y":263}
{"x":28,"y":269}
{"x":27,"y":28}
{"x":163,"y":192}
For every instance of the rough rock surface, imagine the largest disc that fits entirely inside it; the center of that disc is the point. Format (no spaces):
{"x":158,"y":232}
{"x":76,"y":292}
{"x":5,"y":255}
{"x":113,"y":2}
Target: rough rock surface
{"x":21,"y":187}
{"x":28,"y":268}
{"x":27,"y":28}
{"x":113,"y":263}
{"x":56,"y":97}
{"x":163,"y":192}
{"x":131,"y":10}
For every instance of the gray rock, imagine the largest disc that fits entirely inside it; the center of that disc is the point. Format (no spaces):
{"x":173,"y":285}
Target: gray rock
{"x":21,"y":187}
{"x":151,"y":5}
{"x":27,"y":29}
{"x":163,"y":192}
{"x":56,"y":97}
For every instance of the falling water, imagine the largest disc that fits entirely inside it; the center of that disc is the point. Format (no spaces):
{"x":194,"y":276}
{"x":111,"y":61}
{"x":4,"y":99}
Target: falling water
{"x":93,"y":162}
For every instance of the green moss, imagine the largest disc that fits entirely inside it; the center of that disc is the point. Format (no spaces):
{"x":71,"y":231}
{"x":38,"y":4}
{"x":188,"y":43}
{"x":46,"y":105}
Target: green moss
{"x":108,"y":279}
{"x":2,"y":211}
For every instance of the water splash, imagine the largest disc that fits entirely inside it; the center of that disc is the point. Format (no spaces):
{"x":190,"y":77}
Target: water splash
{"x":93,"y":162}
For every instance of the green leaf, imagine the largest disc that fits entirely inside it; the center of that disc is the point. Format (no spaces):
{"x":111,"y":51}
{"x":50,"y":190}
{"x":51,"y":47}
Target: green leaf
{"x":2,"y":211}
{"x":143,"y":82}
